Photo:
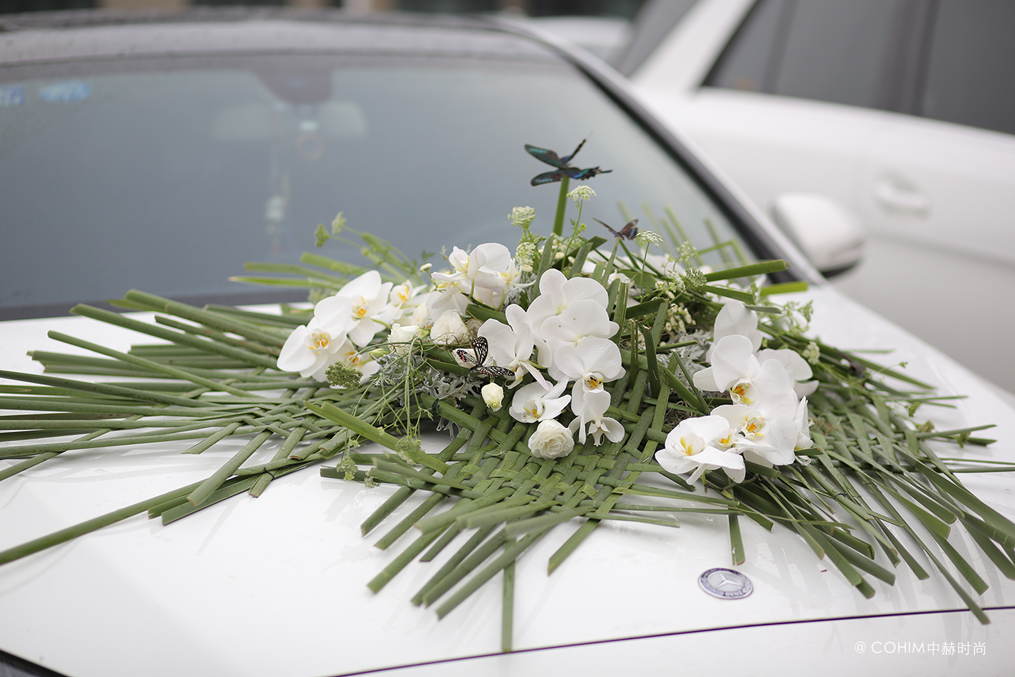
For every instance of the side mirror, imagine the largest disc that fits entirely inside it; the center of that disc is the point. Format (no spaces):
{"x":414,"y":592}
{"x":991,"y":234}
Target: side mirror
{"x":825,"y":232}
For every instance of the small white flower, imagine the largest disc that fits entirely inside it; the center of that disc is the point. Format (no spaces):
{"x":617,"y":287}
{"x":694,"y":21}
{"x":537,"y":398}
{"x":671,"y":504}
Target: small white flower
{"x":551,"y":440}
{"x":493,"y":395}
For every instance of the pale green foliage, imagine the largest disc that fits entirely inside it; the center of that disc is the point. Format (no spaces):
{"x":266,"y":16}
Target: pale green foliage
{"x":338,"y":224}
{"x":407,"y":446}
{"x":347,"y":466}
{"x":687,"y":253}
{"x":320,"y":236}
{"x":342,"y":376}
{"x":694,"y":279}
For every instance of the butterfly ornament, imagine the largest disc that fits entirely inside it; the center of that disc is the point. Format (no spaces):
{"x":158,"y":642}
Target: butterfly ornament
{"x":562,"y":164}
{"x":628,"y":232}
{"x":475,"y":359}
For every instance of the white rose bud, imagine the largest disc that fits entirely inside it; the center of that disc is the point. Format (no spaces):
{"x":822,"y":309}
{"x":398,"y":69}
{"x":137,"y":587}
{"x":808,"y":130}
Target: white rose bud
{"x":400,"y":337}
{"x":449,"y":328}
{"x":493,"y":395}
{"x":551,"y":440}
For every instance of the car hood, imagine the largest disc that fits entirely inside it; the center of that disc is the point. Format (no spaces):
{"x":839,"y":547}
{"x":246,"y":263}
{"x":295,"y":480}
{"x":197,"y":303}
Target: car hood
{"x":277,"y":585}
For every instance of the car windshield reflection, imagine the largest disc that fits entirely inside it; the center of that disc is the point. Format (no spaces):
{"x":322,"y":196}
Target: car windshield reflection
{"x":167,"y":174}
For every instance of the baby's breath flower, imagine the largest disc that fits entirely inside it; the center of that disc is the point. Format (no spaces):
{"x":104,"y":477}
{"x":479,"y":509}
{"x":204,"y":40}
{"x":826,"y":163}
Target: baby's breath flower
{"x":522,"y":216}
{"x":320,"y":235}
{"x":812,"y":353}
{"x":647,"y":237}
{"x":337,"y":224}
{"x":581,"y":194}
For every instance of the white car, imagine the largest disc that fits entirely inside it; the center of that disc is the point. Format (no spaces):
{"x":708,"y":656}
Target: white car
{"x":276,"y":586}
{"x":901,"y":112}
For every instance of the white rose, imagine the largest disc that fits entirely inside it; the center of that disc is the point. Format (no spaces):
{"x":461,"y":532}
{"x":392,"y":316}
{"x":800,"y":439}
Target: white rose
{"x":400,"y":336}
{"x":449,"y":328}
{"x":493,"y":395}
{"x":551,"y":440}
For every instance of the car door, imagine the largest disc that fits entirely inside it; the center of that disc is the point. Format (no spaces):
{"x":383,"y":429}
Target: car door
{"x":938,"y":192}
{"x":793,"y":96}
{"x":896,"y":110}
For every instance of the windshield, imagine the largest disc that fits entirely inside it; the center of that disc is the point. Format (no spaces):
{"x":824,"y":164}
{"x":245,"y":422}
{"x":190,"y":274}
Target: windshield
{"x":167,"y":174}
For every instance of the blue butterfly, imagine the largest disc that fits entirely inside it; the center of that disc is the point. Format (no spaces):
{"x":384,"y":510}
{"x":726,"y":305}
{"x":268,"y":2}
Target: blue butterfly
{"x":550,"y":157}
{"x":573,"y":172}
{"x":562,"y":164}
{"x":630,"y":231}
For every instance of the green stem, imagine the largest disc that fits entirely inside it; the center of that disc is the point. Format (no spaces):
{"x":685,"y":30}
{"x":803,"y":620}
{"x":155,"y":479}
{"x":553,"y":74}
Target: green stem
{"x":558,"y":220}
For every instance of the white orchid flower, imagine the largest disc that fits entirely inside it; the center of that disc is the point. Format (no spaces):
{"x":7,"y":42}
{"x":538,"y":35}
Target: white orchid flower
{"x":769,"y":428}
{"x":535,"y":403}
{"x":796,"y":366}
{"x":311,"y":348}
{"x":408,"y":299}
{"x":557,"y":293}
{"x":735,"y":318}
{"x":479,"y":273}
{"x":590,"y":364}
{"x":737,"y":369}
{"x":580,"y":320}
{"x":700,"y":444}
{"x":592,"y":414}
{"x":511,"y":345}
{"x":445,"y":298}
{"x":368,"y":307}
{"x":802,"y":420}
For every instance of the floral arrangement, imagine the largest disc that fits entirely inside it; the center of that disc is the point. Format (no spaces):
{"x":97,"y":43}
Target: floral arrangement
{"x":568,"y":374}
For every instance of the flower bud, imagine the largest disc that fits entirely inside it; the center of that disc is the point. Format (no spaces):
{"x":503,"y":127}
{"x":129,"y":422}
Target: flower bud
{"x":493,"y":395}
